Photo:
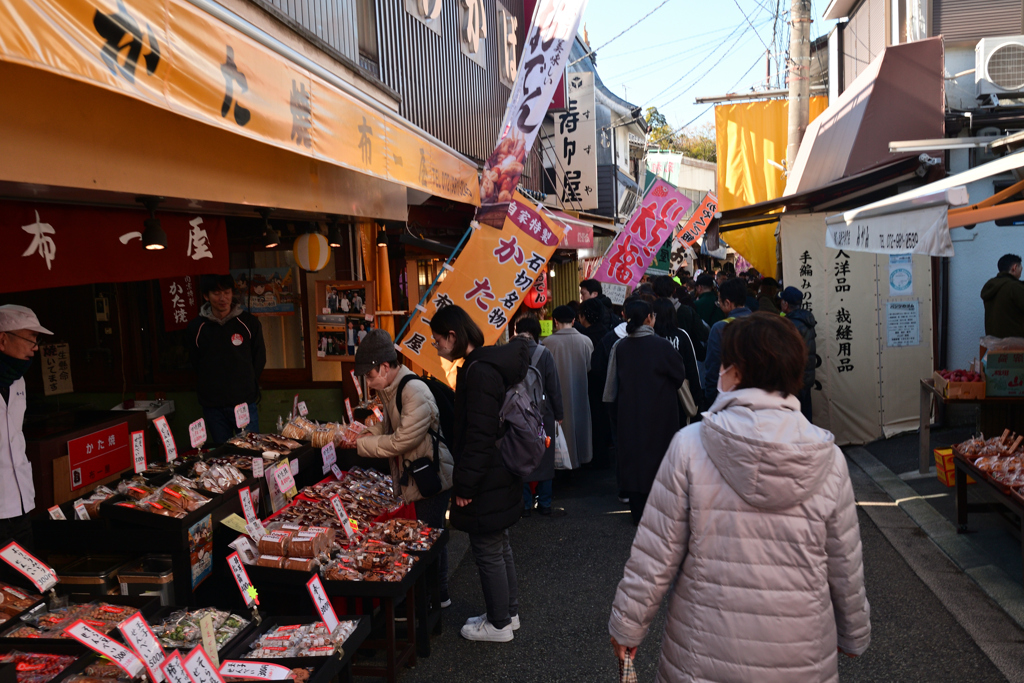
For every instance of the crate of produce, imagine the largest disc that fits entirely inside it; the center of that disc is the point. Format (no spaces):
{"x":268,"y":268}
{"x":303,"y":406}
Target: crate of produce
{"x":960,"y":384}
{"x":944,"y":468}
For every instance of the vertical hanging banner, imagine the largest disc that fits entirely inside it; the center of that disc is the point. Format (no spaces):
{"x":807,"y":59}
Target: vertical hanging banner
{"x":575,"y":151}
{"x":179,"y":297}
{"x":489,"y":280}
{"x":698,"y":223}
{"x":631,"y":253}
{"x":545,"y":52}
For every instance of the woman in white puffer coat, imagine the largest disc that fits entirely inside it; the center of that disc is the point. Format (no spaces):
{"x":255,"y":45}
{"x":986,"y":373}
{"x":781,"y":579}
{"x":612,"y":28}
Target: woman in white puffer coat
{"x":753,"y":511}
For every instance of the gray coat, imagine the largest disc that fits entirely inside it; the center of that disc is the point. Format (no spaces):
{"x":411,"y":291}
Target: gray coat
{"x":552,"y":408}
{"x":572,"y":352}
{"x":752,"y":526}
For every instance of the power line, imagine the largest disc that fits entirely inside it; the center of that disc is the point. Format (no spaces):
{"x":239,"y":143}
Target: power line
{"x":665,"y":62}
{"x":590,"y":52}
{"x":699,"y":78}
{"x":703,"y":34}
{"x":751,"y":25}
{"x":706,"y":57}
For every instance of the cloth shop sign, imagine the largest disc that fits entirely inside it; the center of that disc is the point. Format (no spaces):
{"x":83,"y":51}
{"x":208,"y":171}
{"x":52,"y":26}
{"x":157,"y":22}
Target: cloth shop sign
{"x":575,"y":145}
{"x":489,"y":279}
{"x":173,"y":55}
{"x":60,"y":246}
{"x":180,"y":299}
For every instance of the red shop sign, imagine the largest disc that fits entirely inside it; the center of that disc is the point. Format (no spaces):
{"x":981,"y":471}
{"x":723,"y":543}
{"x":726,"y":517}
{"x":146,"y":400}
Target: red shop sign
{"x":180,"y":299}
{"x":99,"y":455}
{"x":61,"y":246}
{"x":577,"y":236}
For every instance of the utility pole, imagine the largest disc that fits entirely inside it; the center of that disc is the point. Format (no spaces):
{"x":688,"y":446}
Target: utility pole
{"x":799,"y":76}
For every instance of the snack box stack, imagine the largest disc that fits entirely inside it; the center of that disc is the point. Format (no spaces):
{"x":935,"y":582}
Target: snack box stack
{"x":291,"y":546}
{"x":944,"y":468}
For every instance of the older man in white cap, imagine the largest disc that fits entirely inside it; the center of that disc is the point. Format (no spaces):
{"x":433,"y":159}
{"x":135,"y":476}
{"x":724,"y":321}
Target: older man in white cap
{"x":19,"y":332}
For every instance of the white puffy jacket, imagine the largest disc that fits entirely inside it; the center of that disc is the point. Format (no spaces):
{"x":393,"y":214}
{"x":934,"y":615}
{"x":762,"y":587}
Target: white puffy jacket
{"x":755,"y":506}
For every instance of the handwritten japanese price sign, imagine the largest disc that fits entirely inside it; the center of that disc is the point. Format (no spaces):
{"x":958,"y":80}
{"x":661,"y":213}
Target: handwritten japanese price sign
{"x":655,"y":221}
{"x":245,"y":495}
{"x":35,"y":571}
{"x":303,"y":411}
{"x":339,"y":510}
{"x":139,"y":451}
{"x":242,"y":415}
{"x":490,"y":279}
{"x":140,"y":636}
{"x":257,"y":466}
{"x":200,"y":668}
{"x":322,"y":603}
{"x":197,"y":433}
{"x":115,"y":652}
{"x":348,"y":410}
{"x":166,"y":437}
{"x":359,"y":387}
{"x":284,"y":479}
{"x":174,"y":669}
{"x":329,"y":455}
{"x":241,"y":577}
{"x":258,"y":670}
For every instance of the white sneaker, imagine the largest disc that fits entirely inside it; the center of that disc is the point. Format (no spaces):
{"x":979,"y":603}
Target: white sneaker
{"x":483,"y":617}
{"x":485,"y":631}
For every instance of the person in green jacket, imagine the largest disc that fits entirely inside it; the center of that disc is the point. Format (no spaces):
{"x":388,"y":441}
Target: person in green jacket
{"x":707,"y":300}
{"x":1004,"y":299}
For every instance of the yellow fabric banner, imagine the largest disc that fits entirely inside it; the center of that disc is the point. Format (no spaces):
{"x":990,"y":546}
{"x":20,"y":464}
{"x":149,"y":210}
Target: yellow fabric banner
{"x":489,"y":279}
{"x":173,"y":55}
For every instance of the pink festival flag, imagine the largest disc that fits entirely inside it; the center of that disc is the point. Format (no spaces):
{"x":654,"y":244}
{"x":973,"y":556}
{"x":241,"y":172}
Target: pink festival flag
{"x":655,"y":221}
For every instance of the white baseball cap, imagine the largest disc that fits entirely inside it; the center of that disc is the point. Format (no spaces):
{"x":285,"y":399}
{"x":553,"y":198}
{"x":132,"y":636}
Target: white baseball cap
{"x":19,"y":318}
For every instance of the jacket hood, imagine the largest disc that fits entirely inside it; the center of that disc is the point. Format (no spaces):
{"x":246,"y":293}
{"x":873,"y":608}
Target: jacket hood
{"x":510,"y":360}
{"x":620,"y":331}
{"x":993,"y":286}
{"x":765,"y":449}
{"x":803,"y":315}
{"x":207,"y":312}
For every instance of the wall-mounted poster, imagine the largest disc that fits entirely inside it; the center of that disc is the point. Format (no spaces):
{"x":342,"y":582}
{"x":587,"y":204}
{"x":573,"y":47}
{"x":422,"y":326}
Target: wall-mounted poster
{"x":345,"y":312}
{"x":267,"y":291}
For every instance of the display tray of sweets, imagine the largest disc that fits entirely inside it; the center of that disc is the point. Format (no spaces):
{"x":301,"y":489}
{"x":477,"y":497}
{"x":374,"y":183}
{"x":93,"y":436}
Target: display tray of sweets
{"x":270,"y":446}
{"x":44,"y":664}
{"x":998,"y":460}
{"x":367,"y":495}
{"x":302,"y":642}
{"x":178,"y":628}
{"x":173,"y":505}
{"x":15,"y":601}
{"x":48,"y":623}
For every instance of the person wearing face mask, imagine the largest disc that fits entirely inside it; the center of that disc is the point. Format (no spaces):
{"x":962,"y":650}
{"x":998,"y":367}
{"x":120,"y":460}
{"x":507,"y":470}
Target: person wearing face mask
{"x":644,"y":376}
{"x":408,"y":433}
{"x":752,"y":526}
{"x":19,"y":339}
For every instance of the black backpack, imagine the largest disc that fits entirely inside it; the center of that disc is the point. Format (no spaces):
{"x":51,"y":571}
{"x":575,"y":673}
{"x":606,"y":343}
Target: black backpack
{"x":444,"y":397}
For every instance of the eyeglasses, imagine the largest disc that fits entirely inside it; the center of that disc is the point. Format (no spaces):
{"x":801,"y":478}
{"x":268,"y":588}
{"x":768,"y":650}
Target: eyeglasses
{"x":35,"y":344}
{"x":434,"y":342}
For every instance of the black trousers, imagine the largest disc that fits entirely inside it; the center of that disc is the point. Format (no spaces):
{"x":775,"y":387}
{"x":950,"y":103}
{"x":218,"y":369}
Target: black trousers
{"x":637,"y":503}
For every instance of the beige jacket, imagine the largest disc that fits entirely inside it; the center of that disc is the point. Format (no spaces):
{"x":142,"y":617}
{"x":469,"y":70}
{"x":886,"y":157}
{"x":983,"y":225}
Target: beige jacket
{"x":752,"y":525}
{"x":410,"y":440}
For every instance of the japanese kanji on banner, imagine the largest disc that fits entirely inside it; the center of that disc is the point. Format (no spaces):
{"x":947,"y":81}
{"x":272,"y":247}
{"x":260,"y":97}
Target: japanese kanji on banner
{"x":575,"y":148}
{"x":489,"y":279}
{"x":655,"y":221}
{"x":180,"y":299}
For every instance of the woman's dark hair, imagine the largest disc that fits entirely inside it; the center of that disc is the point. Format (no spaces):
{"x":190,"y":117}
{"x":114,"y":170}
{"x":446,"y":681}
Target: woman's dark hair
{"x":564,"y":314}
{"x":767,"y":351}
{"x":593,"y":311}
{"x":665,"y":317}
{"x":529,"y":325}
{"x":636,"y":313}
{"x":452,"y":319}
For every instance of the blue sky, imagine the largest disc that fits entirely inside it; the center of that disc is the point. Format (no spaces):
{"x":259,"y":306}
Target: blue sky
{"x":688,"y":49}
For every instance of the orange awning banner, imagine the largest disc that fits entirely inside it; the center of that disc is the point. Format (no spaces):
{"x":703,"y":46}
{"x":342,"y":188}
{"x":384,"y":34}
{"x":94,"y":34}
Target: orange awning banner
{"x":173,"y":55}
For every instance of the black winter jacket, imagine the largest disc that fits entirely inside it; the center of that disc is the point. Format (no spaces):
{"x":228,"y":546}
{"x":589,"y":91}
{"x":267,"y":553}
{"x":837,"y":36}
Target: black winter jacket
{"x":480,"y":475}
{"x":228,"y":358}
{"x":805,"y":323}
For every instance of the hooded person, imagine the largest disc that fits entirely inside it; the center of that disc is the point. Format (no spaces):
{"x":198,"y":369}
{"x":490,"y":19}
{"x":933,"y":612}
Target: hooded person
{"x":228,"y":356}
{"x":1003,"y":296}
{"x":488,"y":498}
{"x":407,"y":434}
{"x":752,"y":527}
{"x":793,"y":310}
{"x":19,"y":339}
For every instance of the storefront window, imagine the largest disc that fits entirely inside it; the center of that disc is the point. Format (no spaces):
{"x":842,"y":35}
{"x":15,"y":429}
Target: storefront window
{"x":267,"y":284}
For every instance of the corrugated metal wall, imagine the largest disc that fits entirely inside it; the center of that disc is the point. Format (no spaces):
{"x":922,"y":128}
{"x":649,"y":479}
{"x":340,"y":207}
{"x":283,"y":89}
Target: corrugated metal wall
{"x":969,"y":20}
{"x":863,"y":38}
{"x":443,"y":91}
{"x":333,"y":22}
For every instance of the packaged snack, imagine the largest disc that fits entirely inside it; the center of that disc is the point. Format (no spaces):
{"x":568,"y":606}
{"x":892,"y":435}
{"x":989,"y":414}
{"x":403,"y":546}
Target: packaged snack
{"x":103,"y":671}
{"x":302,"y":545}
{"x":275,"y":561}
{"x":301,"y":564}
{"x":275,"y":543}
{"x":14,"y":600}
{"x":177,"y":495}
{"x":36,"y":668}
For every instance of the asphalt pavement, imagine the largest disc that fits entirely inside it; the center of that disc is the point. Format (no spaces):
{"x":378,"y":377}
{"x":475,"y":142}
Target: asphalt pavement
{"x":569,"y":568}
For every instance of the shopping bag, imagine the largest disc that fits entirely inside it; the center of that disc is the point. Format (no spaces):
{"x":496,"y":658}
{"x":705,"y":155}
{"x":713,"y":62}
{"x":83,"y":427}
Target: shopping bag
{"x":562,"y":461}
{"x":627,"y":671}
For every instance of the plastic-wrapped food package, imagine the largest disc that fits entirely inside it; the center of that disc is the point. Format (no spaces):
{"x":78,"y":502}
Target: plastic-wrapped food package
{"x":301,"y":564}
{"x":103,"y":671}
{"x":275,"y":543}
{"x":177,"y":495}
{"x":136,"y":488}
{"x":14,"y":600}
{"x":181,"y":629}
{"x":272,"y":561}
{"x":36,"y":668}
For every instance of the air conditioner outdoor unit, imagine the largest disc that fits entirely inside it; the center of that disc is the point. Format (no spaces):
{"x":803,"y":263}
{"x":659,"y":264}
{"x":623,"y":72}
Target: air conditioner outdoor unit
{"x":999,"y":65}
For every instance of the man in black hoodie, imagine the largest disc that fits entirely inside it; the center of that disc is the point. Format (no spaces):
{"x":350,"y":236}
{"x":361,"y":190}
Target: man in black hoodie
{"x":228,"y":355}
{"x":1004,"y":300}
{"x":488,"y":498}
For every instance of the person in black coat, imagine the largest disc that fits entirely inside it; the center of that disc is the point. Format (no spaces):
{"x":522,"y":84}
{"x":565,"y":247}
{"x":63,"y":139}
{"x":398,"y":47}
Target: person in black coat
{"x":528,"y":329}
{"x":644,"y":376}
{"x":665,"y":327}
{"x":593,"y":315}
{"x":488,"y":498}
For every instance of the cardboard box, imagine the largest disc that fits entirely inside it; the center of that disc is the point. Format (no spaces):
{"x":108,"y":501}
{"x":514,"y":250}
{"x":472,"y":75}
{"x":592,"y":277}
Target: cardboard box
{"x":944,"y":468}
{"x":1004,"y":373}
{"x":959,"y":390}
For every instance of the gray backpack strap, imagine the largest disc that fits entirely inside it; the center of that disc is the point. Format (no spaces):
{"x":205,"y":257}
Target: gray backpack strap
{"x":536,"y":355}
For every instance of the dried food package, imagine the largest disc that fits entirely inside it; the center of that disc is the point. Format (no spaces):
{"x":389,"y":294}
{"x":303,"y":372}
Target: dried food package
{"x":301,"y":564}
{"x":14,"y":600}
{"x":36,"y":668}
{"x":273,"y":561}
{"x":275,"y":543}
{"x":178,"y":495}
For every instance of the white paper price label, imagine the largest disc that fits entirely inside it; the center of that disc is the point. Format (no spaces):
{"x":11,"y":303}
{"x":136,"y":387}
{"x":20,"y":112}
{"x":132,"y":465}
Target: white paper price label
{"x":139,"y":635}
{"x":166,"y":437}
{"x":283,"y":477}
{"x":303,"y":410}
{"x":294,"y":465}
{"x":174,"y":669}
{"x":257,"y":670}
{"x":322,"y":603}
{"x":339,"y":510}
{"x":197,"y":433}
{"x":336,"y":471}
{"x":42,"y":576}
{"x":359,"y":387}
{"x":115,"y":652}
{"x":57,"y":513}
{"x":348,"y":410}
{"x":256,"y":530}
{"x":241,"y":577}
{"x":330,"y":456}
{"x":245,"y":496}
{"x":379,"y":413}
{"x":139,"y":451}
{"x":80,"y":511}
{"x":242,"y":415}
{"x":201,"y":668}
{"x":209,"y":634}
{"x":257,"y":467}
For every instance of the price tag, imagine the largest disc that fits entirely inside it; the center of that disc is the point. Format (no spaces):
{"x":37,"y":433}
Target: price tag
{"x":166,"y":437}
{"x":174,"y":669}
{"x":201,"y":668}
{"x":294,"y":466}
{"x":329,"y":455}
{"x":339,"y":510}
{"x":209,"y":634}
{"x":303,"y":410}
{"x":295,"y":407}
{"x":80,"y":511}
{"x":256,"y":530}
{"x":241,"y":416}
{"x":323,"y":605}
{"x":379,"y":413}
{"x":197,"y":432}
{"x":348,"y":410}
{"x":359,"y":387}
{"x":241,"y":577}
{"x":42,"y":576}
{"x":245,"y":495}
{"x":257,"y":467}
{"x":257,"y":670}
{"x":336,"y":471}
{"x":57,"y":513}
{"x":115,"y":652}
{"x":139,"y":635}
{"x":139,"y":451}
{"x":284,"y":478}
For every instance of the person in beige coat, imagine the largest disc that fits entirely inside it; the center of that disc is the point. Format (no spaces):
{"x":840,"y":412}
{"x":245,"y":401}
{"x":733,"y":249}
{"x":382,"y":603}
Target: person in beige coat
{"x":752,"y":524}
{"x":406,"y":436}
